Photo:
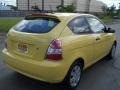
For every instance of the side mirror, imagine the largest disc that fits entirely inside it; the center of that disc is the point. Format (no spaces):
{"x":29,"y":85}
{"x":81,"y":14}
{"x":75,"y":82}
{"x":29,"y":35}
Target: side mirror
{"x":109,"y":30}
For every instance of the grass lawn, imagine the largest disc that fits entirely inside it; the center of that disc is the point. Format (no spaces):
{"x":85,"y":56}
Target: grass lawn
{"x":108,"y":19}
{"x":6,"y":24}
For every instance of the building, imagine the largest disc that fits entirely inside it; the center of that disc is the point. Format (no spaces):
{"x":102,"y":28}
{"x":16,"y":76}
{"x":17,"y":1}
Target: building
{"x":81,"y":5}
{"x":4,"y":7}
{"x":43,"y":4}
{"x":96,"y":6}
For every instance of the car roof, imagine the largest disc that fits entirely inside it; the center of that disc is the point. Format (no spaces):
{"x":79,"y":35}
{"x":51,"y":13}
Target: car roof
{"x":60,"y":16}
{"x":69,"y":15}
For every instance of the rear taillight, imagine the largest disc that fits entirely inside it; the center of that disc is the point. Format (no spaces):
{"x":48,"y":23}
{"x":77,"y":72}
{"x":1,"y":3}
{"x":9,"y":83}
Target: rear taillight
{"x":54,"y":51}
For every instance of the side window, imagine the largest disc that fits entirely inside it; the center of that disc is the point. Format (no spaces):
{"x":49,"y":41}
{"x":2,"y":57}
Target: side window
{"x":96,"y":25}
{"x":79,"y":25}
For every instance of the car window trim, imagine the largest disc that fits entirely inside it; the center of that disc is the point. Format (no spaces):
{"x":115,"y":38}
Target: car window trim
{"x":98,"y":20}
{"x":90,"y":31}
{"x":42,"y":32}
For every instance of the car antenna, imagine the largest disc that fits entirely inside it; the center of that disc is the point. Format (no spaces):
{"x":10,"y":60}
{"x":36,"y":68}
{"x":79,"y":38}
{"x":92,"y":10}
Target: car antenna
{"x":51,"y":11}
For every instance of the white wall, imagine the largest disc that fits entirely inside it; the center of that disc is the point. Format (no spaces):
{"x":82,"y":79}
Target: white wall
{"x":22,"y":4}
{"x":68,"y":2}
{"x":96,"y":6}
{"x":81,"y":5}
{"x":52,"y":4}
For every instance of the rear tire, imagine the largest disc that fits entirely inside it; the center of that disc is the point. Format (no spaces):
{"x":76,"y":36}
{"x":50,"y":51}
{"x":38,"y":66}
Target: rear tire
{"x":73,"y":77}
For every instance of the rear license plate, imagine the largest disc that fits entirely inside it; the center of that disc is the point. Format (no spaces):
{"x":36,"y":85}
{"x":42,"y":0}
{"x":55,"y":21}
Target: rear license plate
{"x":23,"y":48}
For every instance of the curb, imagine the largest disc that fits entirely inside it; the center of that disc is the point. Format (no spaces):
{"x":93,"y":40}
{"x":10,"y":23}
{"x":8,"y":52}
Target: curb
{"x":3,"y":34}
{"x":115,"y":22}
{"x":112,"y":23}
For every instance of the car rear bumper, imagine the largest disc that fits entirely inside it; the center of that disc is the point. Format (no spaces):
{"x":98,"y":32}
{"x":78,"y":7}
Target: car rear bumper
{"x":52,"y":72}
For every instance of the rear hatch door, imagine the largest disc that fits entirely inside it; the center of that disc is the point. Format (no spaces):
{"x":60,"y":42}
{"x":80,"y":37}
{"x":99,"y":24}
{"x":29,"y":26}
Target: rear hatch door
{"x":31,"y":38}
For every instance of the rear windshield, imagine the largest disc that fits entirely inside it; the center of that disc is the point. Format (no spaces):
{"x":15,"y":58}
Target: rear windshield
{"x":41,"y":25}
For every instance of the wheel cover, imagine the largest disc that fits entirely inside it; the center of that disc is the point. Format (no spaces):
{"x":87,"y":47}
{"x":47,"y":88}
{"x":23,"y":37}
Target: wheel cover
{"x":75,"y":76}
{"x":113,"y":51}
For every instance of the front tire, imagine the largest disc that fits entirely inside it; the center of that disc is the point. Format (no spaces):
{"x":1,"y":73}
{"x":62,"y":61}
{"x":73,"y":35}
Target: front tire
{"x":73,"y":77}
{"x":111,"y":55}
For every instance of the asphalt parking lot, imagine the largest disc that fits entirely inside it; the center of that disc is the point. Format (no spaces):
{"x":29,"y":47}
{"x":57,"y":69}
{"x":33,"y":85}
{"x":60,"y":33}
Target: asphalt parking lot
{"x":104,"y":75}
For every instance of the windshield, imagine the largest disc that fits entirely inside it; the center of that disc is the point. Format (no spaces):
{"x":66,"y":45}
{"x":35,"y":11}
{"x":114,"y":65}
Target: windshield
{"x":41,"y":25}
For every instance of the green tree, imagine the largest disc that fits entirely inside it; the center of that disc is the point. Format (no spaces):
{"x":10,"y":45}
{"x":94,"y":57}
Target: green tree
{"x":68,"y":8}
{"x":118,"y":11}
{"x":109,"y":11}
{"x":112,"y":10}
{"x":13,"y":7}
{"x":36,"y":8}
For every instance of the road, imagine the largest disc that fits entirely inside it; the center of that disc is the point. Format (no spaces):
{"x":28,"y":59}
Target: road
{"x":104,"y":75}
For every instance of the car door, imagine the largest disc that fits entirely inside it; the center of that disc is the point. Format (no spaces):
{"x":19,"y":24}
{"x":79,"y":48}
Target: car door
{"x":102,"y":40}
{"x":84,"y":40}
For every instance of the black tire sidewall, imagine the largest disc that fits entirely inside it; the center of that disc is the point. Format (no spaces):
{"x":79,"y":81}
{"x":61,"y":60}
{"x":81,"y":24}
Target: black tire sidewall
{"x":67,"y":79}
{"x":110,"y":54}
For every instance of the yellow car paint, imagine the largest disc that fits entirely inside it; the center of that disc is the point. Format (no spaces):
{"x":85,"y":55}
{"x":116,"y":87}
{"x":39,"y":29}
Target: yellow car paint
{"x":34,"y":64}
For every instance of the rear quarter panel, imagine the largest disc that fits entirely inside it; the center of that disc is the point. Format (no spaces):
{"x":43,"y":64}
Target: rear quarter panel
{"x":77,"y":46}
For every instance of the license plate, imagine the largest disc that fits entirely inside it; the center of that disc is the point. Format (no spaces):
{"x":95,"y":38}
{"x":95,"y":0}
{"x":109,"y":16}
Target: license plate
{"x":23,"y":48}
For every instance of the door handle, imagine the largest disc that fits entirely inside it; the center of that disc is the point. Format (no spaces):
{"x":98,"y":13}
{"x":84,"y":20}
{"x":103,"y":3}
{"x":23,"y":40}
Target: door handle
{"x":98,"y":38}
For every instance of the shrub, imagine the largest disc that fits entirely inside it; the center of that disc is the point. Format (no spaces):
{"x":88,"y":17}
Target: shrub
{"x":68,"y":8}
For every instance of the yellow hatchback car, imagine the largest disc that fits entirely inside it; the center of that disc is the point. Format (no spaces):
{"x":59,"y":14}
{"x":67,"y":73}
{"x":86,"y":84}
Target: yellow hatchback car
{"x":58,"y":47}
